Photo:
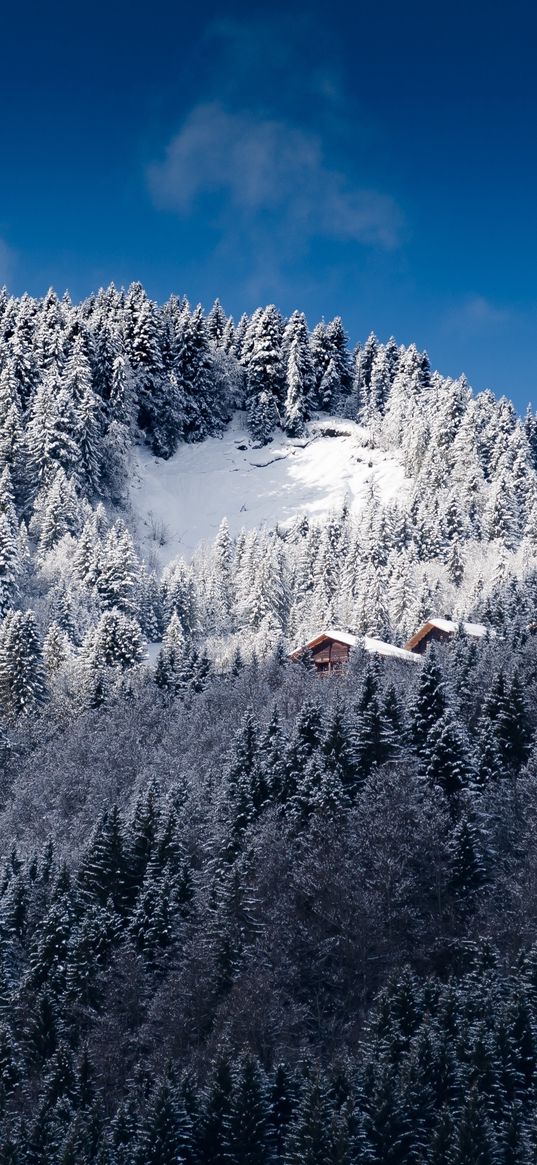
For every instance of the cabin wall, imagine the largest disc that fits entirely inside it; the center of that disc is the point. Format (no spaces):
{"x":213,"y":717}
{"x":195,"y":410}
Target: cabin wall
{"x":435,"y":635}
{"x":330,"y":656}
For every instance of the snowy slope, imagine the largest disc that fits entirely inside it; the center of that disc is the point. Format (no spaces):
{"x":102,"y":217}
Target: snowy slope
{"x":181,"y":502}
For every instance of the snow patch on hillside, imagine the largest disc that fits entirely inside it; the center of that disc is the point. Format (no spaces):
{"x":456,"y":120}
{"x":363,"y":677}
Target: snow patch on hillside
{"x":180,"y":503}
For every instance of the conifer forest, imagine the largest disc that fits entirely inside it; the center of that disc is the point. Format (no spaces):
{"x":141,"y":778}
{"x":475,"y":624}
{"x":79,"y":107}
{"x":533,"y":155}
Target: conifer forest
{"x":251,"y":914}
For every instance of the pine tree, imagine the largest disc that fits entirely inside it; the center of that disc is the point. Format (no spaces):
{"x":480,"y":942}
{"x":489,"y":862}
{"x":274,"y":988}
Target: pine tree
{"x":115,"y":583}
{"x":490,"y":767}
{"x":263,"y":416}
{"x":103,"y":873}
{"x":308,"y":1140}
{"x":165,"y":1136}
{"x":319,"y":791}
{"x":57,"y":649}
{"x":329,"y":387}
{"x":203,"y":411}
{"x":467,"y":858}
{"x":49,"y":950}
{"x":386,"y":1122}
{"x":141,"y":837}
{"x":7,"y":499}
{"x":216,"y":324}
{"x":199,"y":670}
{"x":429,"y":704}
{"x":244,"y":780}
{"x":123,"y":1135}
{"x":152,"y":920}
{"x":338,"y":752}
{"x":306,"y":739}
{"x":473,"y":1142}
{"x":90,"y":947}
{"x":322,"y":354}
{"x":22,"y":671}
{"x":116,"y":642}
{"x":270,"y":752}
{"x":60,"y":512}
{"x":76,"y":380}
{"x":12,"y":448}
{"x":11,"y":1068}
{"x":249,"y":1117}
{"x":221,"y":582}
{"x":455,"y":564}
{"x":121,"y":402}
{"x":295,"y":409}
{"x":42,"y":1029}
{"x":445,"y":758}
{"x":10,"y":566}
{"x":171,"y":671}
{"x":366,"y":360}
{"x":282,"y":1103}
{"x":265,"y":367}
{"x":49,"y":436}
{"x":512,"y":727}
{"x":380,"y":384}
{"x":88,"y":432}
{"x":214,"y":1138}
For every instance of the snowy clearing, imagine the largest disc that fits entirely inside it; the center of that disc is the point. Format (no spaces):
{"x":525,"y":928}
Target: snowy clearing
{"x":180,"y":503}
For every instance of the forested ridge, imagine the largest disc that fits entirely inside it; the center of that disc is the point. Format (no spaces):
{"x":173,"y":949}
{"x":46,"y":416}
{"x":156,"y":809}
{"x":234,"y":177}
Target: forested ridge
{"x":248,"y":914}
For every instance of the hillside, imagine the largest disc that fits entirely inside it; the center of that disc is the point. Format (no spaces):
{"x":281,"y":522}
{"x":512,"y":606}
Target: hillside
{"x":248,"y":913}
{"x":182,"y":501}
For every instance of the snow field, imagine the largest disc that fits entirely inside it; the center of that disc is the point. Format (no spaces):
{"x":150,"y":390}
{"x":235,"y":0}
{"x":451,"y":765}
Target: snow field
{"x":180,"y":503}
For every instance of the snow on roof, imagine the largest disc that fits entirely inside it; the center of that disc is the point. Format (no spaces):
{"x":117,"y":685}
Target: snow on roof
{"x":341,"y":636}
{"x":368,"y":642}
{"x":379,"y":647}
{"x":449,"y":627}
{"x":476,"y":629}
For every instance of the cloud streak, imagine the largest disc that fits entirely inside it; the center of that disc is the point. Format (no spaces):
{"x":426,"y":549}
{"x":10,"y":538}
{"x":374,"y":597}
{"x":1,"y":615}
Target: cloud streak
{"x":475,"y":314}
{"x":264,"y":168}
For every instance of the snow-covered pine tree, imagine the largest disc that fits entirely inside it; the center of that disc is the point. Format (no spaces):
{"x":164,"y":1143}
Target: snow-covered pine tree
{"x":263,"y":417}
{"x":116,"y":642}
{"x":171,"y":671}
{"x":296,"y":400}
{"x":265,"y":367}
{"x":10,"y":565}
{"x":22,"y":672}
{"x":49,"y":439}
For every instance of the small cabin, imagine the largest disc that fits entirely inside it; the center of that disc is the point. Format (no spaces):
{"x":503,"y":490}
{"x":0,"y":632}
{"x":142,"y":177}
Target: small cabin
{"x":330,"y":651}
{"x":437,"y":630}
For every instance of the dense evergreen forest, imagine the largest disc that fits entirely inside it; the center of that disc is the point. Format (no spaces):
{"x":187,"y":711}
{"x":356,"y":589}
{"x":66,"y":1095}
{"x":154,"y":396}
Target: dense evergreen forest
{"x":247,"y":914}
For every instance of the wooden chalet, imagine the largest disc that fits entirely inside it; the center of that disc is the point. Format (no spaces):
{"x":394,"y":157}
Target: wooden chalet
{"x":331,"y":649}
{"x":440,"y":631}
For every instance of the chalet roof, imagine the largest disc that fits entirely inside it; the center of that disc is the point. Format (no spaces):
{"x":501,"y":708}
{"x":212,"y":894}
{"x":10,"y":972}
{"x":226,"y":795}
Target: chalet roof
{"x":331,"y":633}
{"x":341,"y":636}
{"x":476,"y":630}
{"x":369,"y":643}
{"x":379,"y":647}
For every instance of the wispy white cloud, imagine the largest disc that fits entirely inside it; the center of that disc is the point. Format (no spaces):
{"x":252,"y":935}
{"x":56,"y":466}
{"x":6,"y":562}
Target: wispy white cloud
{"x":272,"y":175}
{"x":475,"y":314}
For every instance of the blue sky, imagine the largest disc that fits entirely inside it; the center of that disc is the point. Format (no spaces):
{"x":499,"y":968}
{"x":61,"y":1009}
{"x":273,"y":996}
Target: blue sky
{"x":373,"y":161}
